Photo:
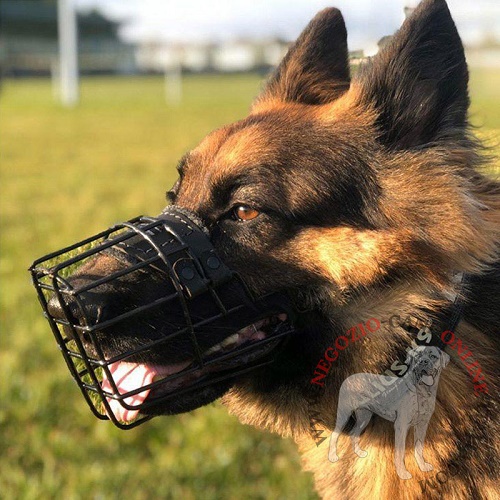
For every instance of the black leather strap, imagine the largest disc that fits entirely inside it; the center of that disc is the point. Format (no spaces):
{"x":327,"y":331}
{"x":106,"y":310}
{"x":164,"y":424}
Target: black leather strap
{"x":178,"y":243}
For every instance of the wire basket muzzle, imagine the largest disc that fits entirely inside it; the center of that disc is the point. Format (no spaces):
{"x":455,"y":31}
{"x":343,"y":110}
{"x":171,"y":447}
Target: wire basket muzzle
{"x":166,"y":299}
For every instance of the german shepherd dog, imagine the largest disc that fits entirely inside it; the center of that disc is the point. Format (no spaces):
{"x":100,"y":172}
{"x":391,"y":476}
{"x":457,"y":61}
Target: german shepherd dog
{"x":362,"y":198}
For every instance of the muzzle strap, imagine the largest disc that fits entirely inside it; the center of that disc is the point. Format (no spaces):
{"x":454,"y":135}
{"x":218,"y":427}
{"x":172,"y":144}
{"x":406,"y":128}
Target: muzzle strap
{"x":193,"y":262}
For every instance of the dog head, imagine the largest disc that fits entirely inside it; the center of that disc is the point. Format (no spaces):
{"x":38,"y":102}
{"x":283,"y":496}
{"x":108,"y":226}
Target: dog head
{"x":328,"y":190}
{"x":425,"y":364}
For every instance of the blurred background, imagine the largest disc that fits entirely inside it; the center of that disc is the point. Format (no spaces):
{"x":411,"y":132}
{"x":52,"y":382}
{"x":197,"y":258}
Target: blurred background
{"x":98,"y":101}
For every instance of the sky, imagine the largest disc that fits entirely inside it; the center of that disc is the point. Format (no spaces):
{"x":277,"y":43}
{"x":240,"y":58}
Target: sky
{"x":201,"y":20}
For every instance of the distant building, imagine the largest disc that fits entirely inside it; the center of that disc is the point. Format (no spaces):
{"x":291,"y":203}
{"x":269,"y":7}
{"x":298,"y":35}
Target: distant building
{"x":357,"y":56}
{"x":225,"y":57}
{"x":28,"y":40}
{"x":409,"y":11}
{"x":386,"y":39}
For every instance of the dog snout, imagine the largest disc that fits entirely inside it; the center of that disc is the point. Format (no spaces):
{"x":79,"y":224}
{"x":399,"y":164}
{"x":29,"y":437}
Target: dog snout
{"x":76,"y":311}
{"x":59,"y":311}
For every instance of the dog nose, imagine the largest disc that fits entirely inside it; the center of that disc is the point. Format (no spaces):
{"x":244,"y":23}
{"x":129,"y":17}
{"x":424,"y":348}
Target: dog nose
{"x":56,"y":310}
{"x":58,"y":313}
{"x":78,"y":312}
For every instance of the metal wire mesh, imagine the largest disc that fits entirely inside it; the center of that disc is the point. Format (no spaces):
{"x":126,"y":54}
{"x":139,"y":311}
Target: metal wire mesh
{"x":176,"y":248}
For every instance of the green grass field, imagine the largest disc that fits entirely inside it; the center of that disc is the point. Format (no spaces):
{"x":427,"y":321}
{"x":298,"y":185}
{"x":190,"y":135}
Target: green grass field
{"x":66,"y":174}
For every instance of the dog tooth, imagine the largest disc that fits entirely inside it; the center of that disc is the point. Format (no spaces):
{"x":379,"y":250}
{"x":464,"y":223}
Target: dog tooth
{"x":215,"y":348}
{"x":233,"y":339}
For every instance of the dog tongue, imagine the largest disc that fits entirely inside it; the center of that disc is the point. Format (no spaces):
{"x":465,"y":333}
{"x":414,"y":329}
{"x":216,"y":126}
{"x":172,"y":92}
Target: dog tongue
{"x":128,"y":377}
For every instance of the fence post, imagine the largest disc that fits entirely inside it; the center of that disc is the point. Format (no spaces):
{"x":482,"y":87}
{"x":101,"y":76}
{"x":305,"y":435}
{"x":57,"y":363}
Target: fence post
{"x":68,"y":52}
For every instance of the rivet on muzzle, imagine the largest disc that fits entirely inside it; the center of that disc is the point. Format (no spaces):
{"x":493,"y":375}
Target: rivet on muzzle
{"x":175,"y":246}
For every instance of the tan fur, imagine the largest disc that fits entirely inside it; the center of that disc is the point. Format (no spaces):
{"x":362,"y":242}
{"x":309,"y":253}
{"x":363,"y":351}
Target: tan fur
{"x":437,"y":216}
{"x":375,"y":476}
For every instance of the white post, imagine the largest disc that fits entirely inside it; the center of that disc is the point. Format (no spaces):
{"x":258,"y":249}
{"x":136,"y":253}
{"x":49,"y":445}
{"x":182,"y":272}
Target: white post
{"x":68,"y":52}
{"x":173,"y":82}
{"x":55,"y":77}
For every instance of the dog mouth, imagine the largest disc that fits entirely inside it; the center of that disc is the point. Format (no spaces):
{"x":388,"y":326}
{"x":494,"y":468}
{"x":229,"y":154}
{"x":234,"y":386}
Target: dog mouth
{"x":426,"y":375}
{"x":134,"y":388}
{"x":151,"y":321}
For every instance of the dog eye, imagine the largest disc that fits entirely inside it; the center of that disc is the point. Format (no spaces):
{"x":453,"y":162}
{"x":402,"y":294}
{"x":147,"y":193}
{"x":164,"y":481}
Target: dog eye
{"x":244,"y":213}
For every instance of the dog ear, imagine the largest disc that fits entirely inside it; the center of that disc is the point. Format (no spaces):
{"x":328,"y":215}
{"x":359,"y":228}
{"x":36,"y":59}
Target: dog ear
{"x":316,"y":68}
{"x":445,"y":359}
{"x":418,"y":82}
